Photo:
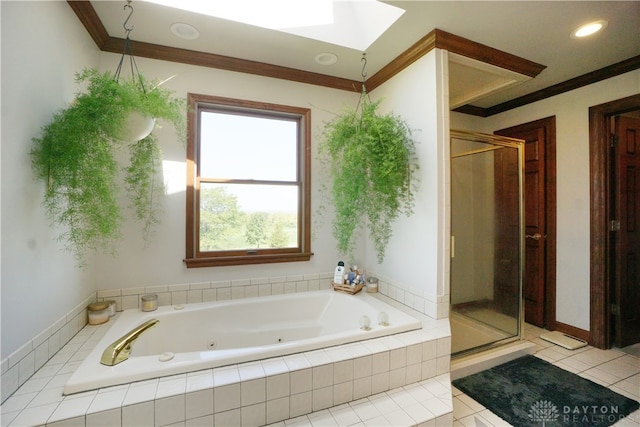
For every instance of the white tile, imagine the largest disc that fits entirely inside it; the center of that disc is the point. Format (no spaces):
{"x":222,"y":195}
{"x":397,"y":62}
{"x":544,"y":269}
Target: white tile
{"x":170,"y":410}
{"x":419,"y":413}
{"x":402,"y":397}
{"x":226,"y":397}
{"x":46,"y":396}
{"x":436,"y":406}
{"x":141,"y":414}
{"x":225,"y":375}
{"x":460,"y":409}
{"x":300,"y":403}
{"x":362,"y":367}
{"x":143,"y":391}
{"x":344,"y":415}
{"x":297,"y":362}
{"x":399,"y":418}
{"x":343,"y":371}
{"x":398,"y":358}
{"x":471,"y":403}
{"x":227,"y":418}
{"x":71,"y":408}
{"x":322,"y":376}
{"x":604,"y":377}
{"x":342,"y":393}
{"x":69,"y":422}
{"x":253,"y":415}
{"x":200,"y":380}
{"x":384,"y":403}
{"x":322,"y":398}
{"x":200,"y":422}
{"x":322,"y":419}
{"x":277,"y":409}
{"x":17,"y":402}
{"x":278,"y":386}
{"x":301,"y":381}
{"x":379,"y":421}
{"x":34,"y":416}
{"x":380,"y":382}
{"x":380,"y":362}
{"x":250,"y":371}
{"x":275,"y":366}
{"x":199,"y":403}
{"x":110,"y":418}
{"x":171,"y":386}
{"x":107,"y":400}
{"x":361,"y":387}
{"x":252,"y":392}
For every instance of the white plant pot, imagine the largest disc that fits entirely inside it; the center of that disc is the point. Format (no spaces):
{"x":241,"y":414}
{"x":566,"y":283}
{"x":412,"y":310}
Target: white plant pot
{"x":137,"y":126}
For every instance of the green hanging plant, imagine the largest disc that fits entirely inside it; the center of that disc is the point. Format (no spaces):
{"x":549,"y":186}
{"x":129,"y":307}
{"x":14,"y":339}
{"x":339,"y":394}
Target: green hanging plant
{"x":76,"y":156}
{"x":371,"y":159}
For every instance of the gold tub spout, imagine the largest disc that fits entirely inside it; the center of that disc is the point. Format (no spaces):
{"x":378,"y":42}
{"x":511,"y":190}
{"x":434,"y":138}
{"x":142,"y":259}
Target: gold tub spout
{"x":120,"y":350}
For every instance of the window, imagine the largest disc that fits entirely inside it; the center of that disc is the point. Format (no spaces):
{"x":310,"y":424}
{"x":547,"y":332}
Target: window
{"x":248,"y":182}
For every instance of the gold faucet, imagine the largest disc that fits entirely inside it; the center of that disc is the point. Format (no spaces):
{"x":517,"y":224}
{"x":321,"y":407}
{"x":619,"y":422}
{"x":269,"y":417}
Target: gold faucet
{"x":120,"y":349}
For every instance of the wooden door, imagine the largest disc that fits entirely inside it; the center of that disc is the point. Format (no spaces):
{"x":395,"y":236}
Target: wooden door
{"x":625,"y":230}
{"x":539,"y":301}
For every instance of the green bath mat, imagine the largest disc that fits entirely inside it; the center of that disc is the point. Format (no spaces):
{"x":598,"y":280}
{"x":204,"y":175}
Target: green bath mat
{"x":529,"y":391}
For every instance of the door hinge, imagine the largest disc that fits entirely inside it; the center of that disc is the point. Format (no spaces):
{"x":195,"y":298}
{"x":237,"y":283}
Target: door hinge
{"x":614,"y":141}
{"x":615,"y":309}
{"x":614,"y":225}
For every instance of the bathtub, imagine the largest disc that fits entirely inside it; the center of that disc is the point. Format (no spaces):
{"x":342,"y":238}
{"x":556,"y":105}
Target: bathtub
{"x":198,"y":336}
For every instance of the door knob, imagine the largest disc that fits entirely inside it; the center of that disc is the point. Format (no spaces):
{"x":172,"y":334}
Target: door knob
{"x":536,"y":236}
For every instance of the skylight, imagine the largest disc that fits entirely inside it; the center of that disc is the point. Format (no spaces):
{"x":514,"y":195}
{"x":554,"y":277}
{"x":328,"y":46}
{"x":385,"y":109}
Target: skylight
{"x":351,"y":23}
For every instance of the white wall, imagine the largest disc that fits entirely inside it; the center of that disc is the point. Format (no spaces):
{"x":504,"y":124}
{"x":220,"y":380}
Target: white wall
{"x":417,"y":254}
{"x":43,"y":45}
{"x":161,"y":262}
{"x":572,"y":150}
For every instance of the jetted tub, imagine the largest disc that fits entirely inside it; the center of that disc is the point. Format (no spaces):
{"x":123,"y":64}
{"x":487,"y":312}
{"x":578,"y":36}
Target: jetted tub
{"x":199,"y":336}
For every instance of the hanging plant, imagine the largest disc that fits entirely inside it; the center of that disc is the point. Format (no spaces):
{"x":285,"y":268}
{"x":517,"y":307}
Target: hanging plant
{"x":371,"y":159}
{"x":76,"y":156}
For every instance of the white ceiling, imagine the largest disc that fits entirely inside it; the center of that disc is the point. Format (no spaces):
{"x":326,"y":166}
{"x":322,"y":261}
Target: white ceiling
{"x":535,"y":30}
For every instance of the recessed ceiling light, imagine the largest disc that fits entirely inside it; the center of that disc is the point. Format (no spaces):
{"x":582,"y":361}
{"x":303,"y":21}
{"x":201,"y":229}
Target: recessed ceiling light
{"x":326,"y":58}
{"x":185,"y":31}
{"x":589,"y":29}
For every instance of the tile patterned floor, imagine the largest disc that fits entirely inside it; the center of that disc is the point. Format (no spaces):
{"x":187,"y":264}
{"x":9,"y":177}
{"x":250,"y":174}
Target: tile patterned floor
{"x":611,"y":368}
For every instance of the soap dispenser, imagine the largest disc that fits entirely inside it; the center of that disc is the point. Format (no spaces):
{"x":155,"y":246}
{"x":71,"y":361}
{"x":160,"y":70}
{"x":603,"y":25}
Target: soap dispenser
{"x":338,"y":275}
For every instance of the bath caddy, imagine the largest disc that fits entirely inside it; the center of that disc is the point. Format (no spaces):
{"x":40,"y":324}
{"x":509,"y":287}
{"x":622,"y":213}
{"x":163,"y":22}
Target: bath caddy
{"x":347,"y":289}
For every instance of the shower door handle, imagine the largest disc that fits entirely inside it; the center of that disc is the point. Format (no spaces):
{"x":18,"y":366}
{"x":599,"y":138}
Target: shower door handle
{"x":536,"y":236}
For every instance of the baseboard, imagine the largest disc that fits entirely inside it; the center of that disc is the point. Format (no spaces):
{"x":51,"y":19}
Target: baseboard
{"x":571,"y":330}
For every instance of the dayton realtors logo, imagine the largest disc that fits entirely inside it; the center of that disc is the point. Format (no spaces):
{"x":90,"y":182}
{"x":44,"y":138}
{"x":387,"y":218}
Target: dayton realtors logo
{"x":545,"y":411}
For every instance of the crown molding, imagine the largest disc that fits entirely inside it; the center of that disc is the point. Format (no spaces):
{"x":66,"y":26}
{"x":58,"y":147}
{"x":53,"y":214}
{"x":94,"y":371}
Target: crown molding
{"x":434,"y":39}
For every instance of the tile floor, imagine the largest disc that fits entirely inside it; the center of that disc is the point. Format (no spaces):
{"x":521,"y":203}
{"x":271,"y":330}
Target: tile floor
{"x":611,"y":368}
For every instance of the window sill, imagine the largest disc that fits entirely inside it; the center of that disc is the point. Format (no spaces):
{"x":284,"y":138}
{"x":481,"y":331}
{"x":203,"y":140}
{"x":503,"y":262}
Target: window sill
{"x":245,"y":260}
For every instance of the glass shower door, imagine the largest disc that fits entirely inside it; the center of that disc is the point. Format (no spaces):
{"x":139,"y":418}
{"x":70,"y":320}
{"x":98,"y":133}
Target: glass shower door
{"x":486,"y":241}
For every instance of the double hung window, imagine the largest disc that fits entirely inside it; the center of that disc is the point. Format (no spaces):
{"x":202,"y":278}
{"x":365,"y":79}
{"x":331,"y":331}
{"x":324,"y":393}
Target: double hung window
{"x":248,"y":183}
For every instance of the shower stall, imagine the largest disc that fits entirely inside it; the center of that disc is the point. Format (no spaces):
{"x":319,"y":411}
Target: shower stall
{"x":487,"y":233}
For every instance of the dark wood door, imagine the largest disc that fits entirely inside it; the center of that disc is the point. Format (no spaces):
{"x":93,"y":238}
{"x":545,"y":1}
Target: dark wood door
{"x":537,"y":136}
{"x":626,"y":231}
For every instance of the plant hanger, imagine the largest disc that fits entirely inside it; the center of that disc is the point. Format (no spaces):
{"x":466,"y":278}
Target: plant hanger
{"x":363,"y":73}
{"x":128,"y":50}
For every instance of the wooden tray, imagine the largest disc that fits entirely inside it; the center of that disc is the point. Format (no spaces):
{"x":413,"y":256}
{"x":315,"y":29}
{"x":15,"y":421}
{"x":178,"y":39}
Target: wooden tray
{"x":347,"y":289}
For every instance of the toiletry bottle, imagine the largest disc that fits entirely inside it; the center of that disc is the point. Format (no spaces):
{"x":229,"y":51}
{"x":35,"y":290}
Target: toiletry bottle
{"x":338,"y":275}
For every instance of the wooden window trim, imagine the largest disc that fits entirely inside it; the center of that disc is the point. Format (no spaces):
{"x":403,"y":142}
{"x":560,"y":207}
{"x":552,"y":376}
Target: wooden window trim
{"x":194,"y":258}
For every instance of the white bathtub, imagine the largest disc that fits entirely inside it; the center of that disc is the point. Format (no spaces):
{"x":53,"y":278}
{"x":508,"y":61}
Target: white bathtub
{"x":208,"y":335}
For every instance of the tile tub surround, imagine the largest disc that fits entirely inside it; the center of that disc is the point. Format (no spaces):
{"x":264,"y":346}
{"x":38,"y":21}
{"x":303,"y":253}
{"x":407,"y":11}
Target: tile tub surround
{"x":20,"y":365}
{"x":361,"y":378}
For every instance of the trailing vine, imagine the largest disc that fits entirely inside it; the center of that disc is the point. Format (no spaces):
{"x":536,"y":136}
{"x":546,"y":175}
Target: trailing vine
{"x":76,"y":156}
{"x":371,"y":158}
